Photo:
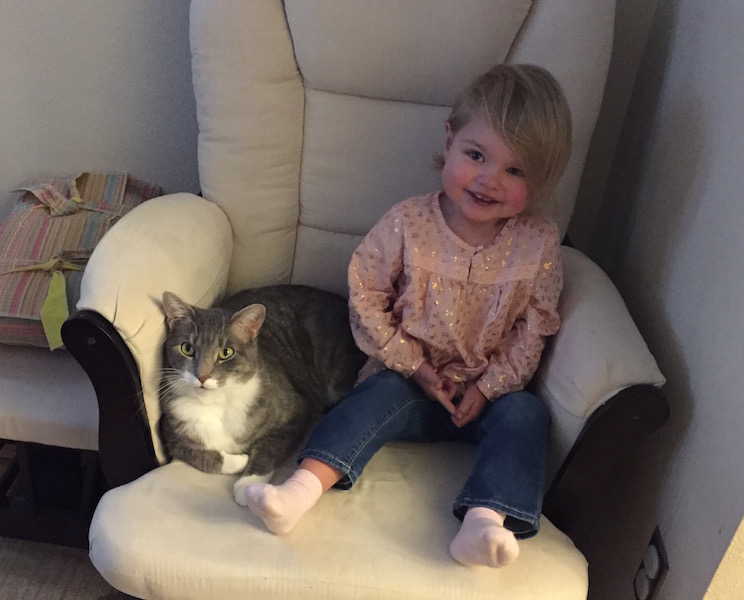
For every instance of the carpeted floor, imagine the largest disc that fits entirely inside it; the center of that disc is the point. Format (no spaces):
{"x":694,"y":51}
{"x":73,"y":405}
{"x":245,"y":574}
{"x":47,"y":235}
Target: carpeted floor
{"x":33,"y":571}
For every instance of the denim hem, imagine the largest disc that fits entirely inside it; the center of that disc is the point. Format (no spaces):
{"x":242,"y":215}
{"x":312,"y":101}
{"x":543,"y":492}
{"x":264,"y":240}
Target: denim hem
{"x":522,"y":524}
{"x":349,"y":478}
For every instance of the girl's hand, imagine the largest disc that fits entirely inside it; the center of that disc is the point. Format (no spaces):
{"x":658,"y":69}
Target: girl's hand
{"x":470,"y":407}
{"x":438,"y":389}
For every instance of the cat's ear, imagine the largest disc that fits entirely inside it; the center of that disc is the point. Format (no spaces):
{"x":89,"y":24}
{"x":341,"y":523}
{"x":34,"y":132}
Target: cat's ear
{"x":246,"y":322}
{"x":175,"y":308}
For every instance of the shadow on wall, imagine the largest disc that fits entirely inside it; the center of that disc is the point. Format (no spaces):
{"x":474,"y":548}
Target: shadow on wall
{"x":650,"y":201}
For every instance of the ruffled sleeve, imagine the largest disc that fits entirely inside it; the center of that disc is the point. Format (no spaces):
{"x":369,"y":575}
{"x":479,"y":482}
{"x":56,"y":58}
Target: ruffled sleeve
{"x":375,"y":273}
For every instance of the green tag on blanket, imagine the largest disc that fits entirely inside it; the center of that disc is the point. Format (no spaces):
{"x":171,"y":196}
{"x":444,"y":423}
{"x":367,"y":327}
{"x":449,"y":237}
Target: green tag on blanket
{"x":54,"y":311}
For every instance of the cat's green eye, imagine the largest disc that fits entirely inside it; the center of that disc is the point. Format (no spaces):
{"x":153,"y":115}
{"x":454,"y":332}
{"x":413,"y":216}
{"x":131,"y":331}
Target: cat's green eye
{"x":226,"y":353}
{"x":187,"y":349}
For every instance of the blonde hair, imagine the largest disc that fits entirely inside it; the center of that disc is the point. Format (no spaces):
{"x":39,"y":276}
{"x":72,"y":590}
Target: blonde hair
{"x":527,"y":107}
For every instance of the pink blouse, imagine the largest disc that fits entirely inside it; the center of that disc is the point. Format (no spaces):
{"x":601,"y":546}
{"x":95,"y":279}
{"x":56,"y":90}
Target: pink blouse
{"x":418,"y":292}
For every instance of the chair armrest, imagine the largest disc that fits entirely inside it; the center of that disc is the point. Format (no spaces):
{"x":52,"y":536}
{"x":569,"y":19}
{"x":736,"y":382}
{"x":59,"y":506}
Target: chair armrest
{"x":180,"y":243}
{"x":597,"y":353}
{"x":125,"y":446}
{"x":611,"y":438}
{"x":602,"y":385}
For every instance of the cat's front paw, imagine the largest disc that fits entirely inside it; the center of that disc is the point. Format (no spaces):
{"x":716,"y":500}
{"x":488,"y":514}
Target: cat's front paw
{"x":246,"y":480}
{"x":233,"y":463}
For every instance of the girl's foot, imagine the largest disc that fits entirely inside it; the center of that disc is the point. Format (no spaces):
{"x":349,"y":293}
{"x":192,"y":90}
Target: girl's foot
{"x":483,"y":540}
{"x":280,"y":506}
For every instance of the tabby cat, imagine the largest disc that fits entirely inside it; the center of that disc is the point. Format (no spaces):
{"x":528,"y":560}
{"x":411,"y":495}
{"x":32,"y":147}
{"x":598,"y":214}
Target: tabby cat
{"x":244,"y":381}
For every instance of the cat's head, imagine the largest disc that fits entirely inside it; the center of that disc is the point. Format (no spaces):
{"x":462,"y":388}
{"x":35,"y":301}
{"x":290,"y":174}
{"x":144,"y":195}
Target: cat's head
{"x":207,"y":348}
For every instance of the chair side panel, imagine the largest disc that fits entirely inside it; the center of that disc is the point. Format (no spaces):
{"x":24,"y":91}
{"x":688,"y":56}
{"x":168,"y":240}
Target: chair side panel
{"x":250,"y":104}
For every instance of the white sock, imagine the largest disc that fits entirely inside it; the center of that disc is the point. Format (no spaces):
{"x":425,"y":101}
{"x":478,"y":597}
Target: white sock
{"x":483,"y":540}
{"x":281,"y":506}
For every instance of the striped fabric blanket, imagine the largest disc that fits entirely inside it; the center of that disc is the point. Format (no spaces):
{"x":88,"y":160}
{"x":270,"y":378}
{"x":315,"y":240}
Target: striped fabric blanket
{"x":44,"y":244}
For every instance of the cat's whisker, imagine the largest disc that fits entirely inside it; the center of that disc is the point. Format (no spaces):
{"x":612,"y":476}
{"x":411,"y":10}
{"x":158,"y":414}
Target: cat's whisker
{"x":171,"y":384}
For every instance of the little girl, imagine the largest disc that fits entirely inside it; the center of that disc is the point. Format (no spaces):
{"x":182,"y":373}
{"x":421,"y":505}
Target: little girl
{"x":451,"y":296}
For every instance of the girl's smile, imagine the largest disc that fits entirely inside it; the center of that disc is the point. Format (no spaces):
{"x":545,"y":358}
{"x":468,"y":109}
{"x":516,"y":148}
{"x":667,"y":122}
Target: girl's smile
{"x":481,"y":199}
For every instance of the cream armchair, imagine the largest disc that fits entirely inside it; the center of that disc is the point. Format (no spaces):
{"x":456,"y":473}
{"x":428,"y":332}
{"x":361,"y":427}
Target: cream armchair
{"x":314,"y":118}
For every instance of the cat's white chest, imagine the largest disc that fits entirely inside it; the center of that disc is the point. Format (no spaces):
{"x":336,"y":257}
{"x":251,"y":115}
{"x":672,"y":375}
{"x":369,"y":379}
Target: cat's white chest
{"x":218,"y":417}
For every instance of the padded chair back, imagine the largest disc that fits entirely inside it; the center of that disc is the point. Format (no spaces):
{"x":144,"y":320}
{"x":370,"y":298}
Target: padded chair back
{"x":315,"y":118}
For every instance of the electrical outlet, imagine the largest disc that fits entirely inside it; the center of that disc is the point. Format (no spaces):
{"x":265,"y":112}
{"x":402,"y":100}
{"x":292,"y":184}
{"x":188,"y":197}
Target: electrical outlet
{"x":653,"y":569}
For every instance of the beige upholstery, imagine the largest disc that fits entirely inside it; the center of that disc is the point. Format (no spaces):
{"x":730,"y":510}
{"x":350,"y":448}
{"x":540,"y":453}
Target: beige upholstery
{"x":46,"y":397}
{"x":177,"y":533}
{"x":314,"y":118}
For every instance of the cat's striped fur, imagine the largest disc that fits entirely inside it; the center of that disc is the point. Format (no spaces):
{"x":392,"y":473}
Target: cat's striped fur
{"x":245,"y":380}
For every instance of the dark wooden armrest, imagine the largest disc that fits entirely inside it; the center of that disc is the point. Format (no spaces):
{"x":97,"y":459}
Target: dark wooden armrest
{"x":610,"y":437}
{"x":124,"y":441}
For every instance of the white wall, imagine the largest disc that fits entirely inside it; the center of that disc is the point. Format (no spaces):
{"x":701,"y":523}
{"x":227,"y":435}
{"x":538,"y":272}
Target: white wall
{"x":97,"y":85}
{"x":670,"y":234}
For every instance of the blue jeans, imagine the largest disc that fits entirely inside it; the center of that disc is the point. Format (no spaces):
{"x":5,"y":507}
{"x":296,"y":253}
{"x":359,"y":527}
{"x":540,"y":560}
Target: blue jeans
{"x":511,"y":435}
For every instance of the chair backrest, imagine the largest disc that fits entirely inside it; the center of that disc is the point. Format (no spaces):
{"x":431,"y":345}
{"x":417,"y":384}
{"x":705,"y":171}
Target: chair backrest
{"x":316,"y":117}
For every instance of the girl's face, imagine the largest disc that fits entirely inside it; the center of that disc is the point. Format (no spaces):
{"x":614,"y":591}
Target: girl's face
{"x":482,"y":177}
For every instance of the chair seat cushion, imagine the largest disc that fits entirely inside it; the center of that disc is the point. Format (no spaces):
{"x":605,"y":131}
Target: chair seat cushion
{"x":177,"y":533}
{"x":47,"y":398}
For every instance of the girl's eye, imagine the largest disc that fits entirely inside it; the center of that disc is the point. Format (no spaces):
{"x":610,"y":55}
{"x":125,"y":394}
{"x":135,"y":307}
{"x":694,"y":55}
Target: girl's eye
{"x":475,"y":155}
{"x":187,"y":349}
{"x":515,"y":171}
{"x":226,"y":353}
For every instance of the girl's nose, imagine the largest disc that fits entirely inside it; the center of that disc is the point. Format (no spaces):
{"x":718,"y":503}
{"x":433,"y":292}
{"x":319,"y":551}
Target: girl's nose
{"x":493,"y":178}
